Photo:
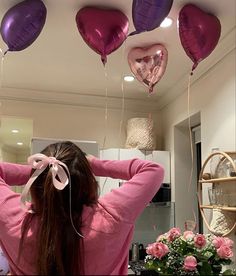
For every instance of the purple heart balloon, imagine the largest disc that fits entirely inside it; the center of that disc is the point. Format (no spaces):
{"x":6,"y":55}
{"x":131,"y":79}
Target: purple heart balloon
{"x":22,"y":24}
{"x":104,"y":30}
{"x":199,"y":32}
{"x":148,"y":14}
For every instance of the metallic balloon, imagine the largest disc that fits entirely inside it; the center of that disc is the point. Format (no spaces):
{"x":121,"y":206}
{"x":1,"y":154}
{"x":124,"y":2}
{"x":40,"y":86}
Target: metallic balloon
{"x":148,"y":14}
{"x":22,"y":24}
{"x":104,"y":30}
{"x":148,"y":64}
{"x":199,"y":32}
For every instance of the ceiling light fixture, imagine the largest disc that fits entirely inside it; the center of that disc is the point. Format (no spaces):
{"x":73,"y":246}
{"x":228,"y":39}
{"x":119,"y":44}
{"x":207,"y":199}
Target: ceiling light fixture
{"x":19,"y":143}
{"x":15,"y":131}
{"x":167,"y":22}
{"x":129,"y":78}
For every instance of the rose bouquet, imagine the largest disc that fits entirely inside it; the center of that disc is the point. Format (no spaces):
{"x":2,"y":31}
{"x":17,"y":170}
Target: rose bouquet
{"x":174,"y":253}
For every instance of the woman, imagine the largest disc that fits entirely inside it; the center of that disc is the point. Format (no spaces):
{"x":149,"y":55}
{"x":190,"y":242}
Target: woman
{"x":66,"y":229}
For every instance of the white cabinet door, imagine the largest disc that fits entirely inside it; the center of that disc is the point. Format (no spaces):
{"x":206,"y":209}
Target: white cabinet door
{"x":131,"y":153}
{"x":106,"y":183}
{"x":109,"y":154}
{"x":163,"y":158}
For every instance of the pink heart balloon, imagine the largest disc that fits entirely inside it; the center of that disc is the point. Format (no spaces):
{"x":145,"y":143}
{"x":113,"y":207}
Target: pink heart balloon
{"x":148,"y":64}
{"x":104,"y":30}
{"x":199,"y":32}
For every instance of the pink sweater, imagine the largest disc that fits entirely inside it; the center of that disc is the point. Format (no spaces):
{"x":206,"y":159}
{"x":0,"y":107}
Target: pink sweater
{"x":108,"y":228}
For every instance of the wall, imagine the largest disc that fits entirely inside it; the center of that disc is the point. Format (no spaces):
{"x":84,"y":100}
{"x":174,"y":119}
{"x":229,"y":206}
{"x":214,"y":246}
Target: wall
{"x":7,"y":155}
{"x":213,"y":96}
{"x":76,"y":122}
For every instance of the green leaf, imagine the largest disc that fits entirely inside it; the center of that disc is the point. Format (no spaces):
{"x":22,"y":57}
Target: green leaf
{"x":216,"y":268}
{"x":208,"y":254}
{"x":205,"y":269}
{"x":228,"y":272}
{"x":226,"y":261}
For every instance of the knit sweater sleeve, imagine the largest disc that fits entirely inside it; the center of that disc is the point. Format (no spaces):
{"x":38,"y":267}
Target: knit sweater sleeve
{"x":14,"y":174}
{"x":11,"y":212}
{"x":143,"y":179}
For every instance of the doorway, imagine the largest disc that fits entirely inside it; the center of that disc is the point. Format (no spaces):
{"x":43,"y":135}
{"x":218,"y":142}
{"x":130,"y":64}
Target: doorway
{"x":196,"y":134}
{"x":186,"y":170}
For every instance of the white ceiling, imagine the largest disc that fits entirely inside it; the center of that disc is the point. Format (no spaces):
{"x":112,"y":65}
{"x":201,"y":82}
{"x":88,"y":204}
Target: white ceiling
{"x":60,"y":67}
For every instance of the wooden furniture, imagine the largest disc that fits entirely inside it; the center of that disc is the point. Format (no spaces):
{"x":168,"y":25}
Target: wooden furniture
{"x":206,"y":178}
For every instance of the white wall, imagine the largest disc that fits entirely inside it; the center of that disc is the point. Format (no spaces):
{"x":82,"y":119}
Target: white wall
{"x":7,"y":155}
{"x":214,"y":97}
{"x":76,"y":122}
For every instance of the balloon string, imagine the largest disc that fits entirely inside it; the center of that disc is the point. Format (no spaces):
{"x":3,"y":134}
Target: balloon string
{"x":191,"y":145}
{"x":1,"y":77}
{"x":123,"y":98}
{"x":150,"y":120}
{"x":153,"y":222}
{"x":106,"y":109}
{"x":2,"y":64}
{"x":190,"y":133}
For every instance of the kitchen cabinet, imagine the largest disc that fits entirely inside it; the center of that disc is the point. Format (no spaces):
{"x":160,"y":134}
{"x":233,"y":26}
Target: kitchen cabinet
{"x":106,"y":184}
{"x":161,"y":157}
{"x":131,"y":153}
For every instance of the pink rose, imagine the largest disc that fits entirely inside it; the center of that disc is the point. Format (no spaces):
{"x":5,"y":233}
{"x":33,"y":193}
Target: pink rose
{"x":190,"y":263}
{"x":199,"y":240}
{"x":218,"y":241}
{"x":149,"y":249}
{"x":188,"y":235}
{"x":173,"y":234}
{"x":225,"y":252}
{"x":157,"y":249}
{"x":229,"y":242}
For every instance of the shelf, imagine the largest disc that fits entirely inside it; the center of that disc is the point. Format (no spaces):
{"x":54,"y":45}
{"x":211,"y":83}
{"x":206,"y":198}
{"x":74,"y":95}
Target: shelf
{"x":215,"y":180}
{"x":224,"y":208}
{"x":204,"y":177}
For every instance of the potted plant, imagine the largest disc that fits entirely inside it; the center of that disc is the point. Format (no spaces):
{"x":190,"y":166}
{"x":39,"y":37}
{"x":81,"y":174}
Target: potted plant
{"x":175,"y":253}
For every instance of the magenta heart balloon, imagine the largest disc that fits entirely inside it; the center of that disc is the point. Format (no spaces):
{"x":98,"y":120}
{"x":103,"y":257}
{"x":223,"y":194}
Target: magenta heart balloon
{"x":148,"y":64}
{"x":199,"y":32}
{"x":103,"y":30}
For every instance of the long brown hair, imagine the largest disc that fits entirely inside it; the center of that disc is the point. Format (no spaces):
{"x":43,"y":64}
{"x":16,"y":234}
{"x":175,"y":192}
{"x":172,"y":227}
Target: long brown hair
{"x":59,"y":247}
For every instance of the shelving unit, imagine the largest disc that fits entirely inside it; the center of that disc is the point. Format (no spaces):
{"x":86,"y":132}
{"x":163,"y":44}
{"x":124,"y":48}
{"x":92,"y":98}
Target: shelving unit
{"x":225,"y":156}
{"x":215,"y":180}
{"x":224,"y":208}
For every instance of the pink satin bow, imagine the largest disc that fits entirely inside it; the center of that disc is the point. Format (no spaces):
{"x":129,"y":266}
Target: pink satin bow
{"x":60,"y":177}
{"x":39,"y":162}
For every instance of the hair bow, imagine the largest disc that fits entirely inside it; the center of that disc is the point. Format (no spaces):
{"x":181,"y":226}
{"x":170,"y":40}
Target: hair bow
{"x":39,"y":162}
{"x":60,"y":177}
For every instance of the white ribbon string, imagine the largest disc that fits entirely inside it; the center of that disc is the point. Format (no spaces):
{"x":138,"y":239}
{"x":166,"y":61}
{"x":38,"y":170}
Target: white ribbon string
{"x":60,"y":177}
